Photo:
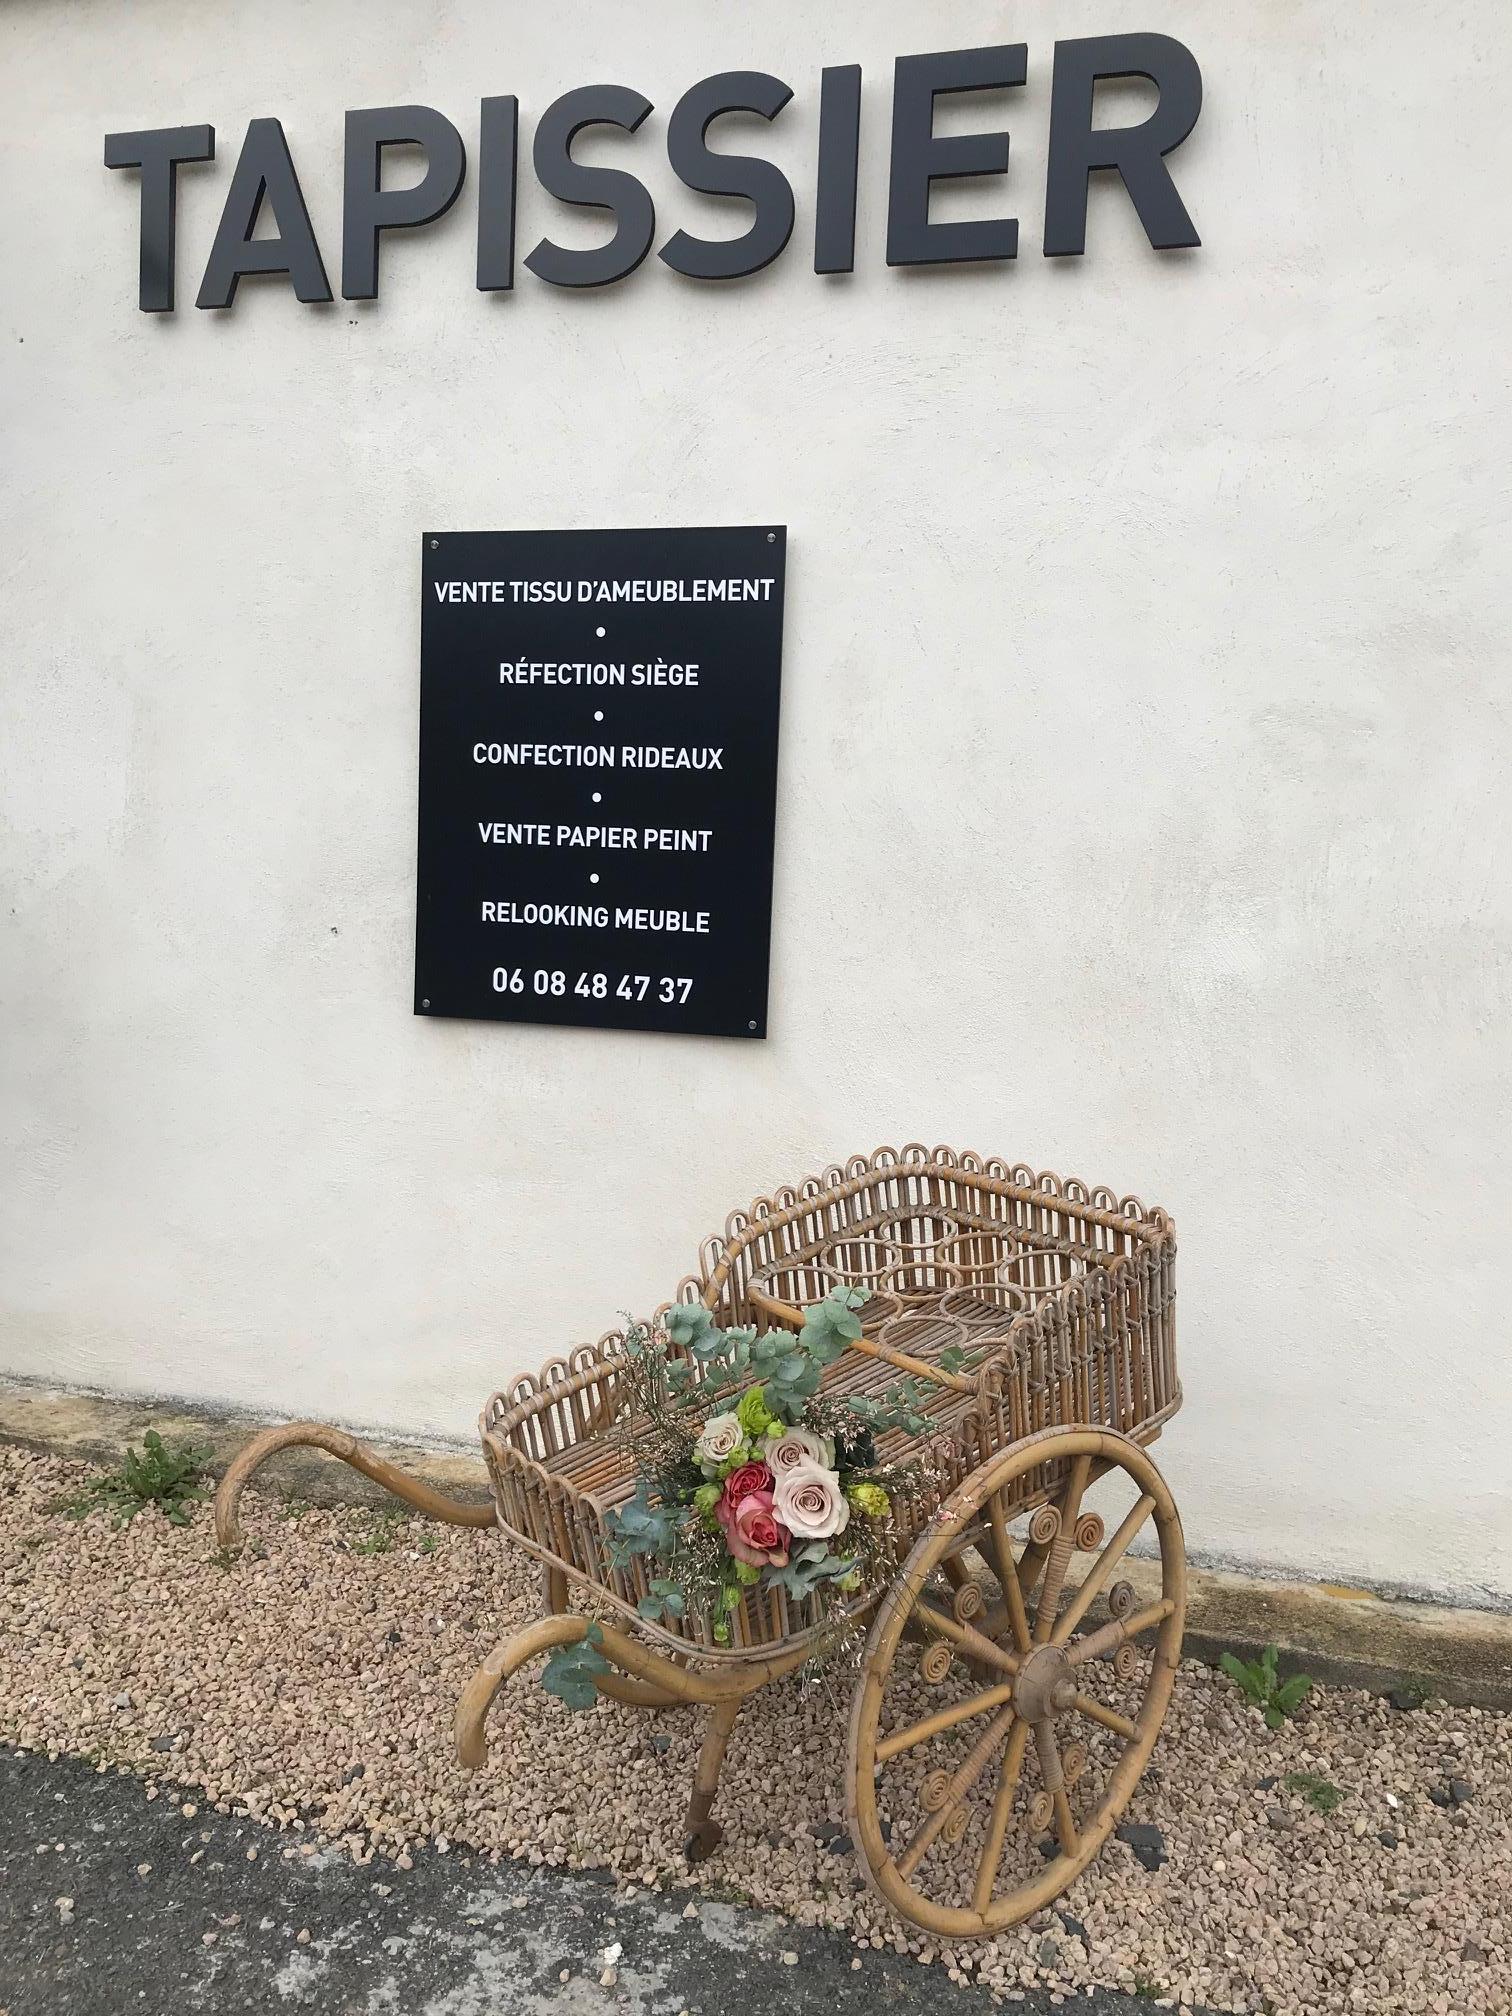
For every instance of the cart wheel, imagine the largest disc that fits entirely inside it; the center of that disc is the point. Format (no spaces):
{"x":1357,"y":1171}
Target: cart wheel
{"x":1014,"y":1722}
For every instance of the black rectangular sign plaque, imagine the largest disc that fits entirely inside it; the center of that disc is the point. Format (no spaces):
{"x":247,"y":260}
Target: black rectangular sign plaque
{"x":598,"y":776}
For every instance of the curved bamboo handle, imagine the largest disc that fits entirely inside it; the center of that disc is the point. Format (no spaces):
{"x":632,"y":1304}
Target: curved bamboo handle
{"x":651,"y":1682}
{"x":335,"y":1442}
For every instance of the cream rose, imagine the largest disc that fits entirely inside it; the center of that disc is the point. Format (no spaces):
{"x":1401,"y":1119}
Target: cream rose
{"x":784,"y":1448}
{"x":808,"y":1500}
{"x":722,"y":1436}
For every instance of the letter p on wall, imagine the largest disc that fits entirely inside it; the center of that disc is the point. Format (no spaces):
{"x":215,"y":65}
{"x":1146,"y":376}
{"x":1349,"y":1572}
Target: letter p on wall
{"x":368,"y":208}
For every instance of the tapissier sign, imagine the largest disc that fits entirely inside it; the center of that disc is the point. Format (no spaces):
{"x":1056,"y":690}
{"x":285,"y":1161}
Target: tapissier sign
{"x":265,"y":185}
{"x":598,"y":776}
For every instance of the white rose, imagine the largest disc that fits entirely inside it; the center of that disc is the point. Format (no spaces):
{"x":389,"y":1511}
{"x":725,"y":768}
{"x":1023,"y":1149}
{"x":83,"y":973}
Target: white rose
{"x":722,"y":1436}
{"x":786,"y":1447}
{"x":808,"y":1500}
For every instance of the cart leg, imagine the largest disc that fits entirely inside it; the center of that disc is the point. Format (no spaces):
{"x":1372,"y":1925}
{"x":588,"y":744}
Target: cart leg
{"x":554,"y":1590}
{"x":705,"y":1834}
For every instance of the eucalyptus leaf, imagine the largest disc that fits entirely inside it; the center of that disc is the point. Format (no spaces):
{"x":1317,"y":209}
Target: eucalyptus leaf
{"x":688,"y":1323}
{"x":664,"y":1599}
{"x":808,"y":1569}
{"x":571,"y":1670}
{"x":900,"y":1407}
{"x":639,"y":1528}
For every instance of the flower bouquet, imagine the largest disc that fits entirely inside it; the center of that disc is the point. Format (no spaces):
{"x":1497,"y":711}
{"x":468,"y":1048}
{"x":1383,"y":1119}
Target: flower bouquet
{"x":748,"y":1477}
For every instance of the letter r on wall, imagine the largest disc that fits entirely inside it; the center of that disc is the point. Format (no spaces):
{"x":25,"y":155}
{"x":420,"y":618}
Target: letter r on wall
{"x":1137,"y":152}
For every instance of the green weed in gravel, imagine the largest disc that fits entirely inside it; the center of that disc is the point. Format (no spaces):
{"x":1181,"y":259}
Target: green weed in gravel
{"x":1260,"y":1684}
{"x":381,"y":1535}
{"x":165,"y":1474}
{"x":1319,"y":1793}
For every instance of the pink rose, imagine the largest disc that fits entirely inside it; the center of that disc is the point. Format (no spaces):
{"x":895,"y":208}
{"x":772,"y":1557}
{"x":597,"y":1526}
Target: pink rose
{"x":810,"y":1500}
{"x":752,"y":1531}
{"x":748,"y":1478}
{"x":784,"y":1448}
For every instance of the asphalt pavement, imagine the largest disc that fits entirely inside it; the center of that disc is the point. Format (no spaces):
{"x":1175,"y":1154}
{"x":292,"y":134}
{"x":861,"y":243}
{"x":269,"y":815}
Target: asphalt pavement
{"x":111,"y":1904}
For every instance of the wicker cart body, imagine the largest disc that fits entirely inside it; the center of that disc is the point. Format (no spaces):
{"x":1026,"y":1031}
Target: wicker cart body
{"x":1061,"y":1300}
{"x":1038,"y":1317}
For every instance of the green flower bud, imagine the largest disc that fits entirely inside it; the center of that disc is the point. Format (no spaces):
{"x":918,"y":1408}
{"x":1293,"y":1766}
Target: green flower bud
{"x":753,"y":1413}
{"x":870,"y":1500}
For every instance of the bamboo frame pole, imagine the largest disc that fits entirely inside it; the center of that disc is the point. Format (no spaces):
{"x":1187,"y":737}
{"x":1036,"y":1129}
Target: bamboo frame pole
{"x":870,"y":1347}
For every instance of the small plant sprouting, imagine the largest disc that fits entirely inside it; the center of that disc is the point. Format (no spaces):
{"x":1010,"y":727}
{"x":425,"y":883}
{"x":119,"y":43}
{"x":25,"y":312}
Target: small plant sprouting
{"x":380,"y":1536}
{"x":294,"y":1507}
{"x":165,"y":1474}
{"x":427,"y":1543}
{"x":1319,"y":1793}
{"x":1259,"y":1683}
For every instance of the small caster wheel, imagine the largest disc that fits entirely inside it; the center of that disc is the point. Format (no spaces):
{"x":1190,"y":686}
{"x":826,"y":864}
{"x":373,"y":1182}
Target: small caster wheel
{"x":702,"y":1841}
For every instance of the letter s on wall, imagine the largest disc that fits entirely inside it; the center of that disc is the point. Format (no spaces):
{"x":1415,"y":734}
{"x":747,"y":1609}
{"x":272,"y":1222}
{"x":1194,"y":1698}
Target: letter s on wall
{"x":598,"y":188}
{"x":758,"y":182}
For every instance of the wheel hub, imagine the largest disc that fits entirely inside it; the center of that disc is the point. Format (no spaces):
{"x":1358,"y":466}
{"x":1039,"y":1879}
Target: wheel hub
{"x":1044,"y":1686}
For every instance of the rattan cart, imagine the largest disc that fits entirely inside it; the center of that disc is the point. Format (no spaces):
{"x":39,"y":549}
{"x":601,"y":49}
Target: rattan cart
{"x":1017,"y":1669}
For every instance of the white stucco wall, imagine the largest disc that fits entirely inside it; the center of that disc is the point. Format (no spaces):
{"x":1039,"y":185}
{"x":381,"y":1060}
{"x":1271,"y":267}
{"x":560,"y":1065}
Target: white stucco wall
{"x":1144,"y":794}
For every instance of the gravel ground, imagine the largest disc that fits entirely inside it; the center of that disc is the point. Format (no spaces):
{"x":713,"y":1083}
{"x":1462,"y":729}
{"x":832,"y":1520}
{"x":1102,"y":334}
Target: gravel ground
{"x":310,"y":1685}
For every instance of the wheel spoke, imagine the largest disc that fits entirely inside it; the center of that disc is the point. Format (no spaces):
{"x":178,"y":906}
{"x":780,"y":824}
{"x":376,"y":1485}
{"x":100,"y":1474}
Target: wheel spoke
{"x":947,"y":1718}
{"x":959,"y":1786}
{"x":1031,"y":1562}
{"x":1108,"y":1717}
{"x":1048,"y":1751}
{"x":997,"y":1826}
{"x":1060,"y":1550}
{"x":1008,"y":1574}
{"x":1106,"y":1562}
{"x":1119,"y":1632}
{"x":975,"y":1642}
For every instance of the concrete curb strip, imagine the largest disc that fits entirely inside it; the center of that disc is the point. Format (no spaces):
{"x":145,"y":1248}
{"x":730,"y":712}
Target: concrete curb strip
{"x":1343,"y":1637}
